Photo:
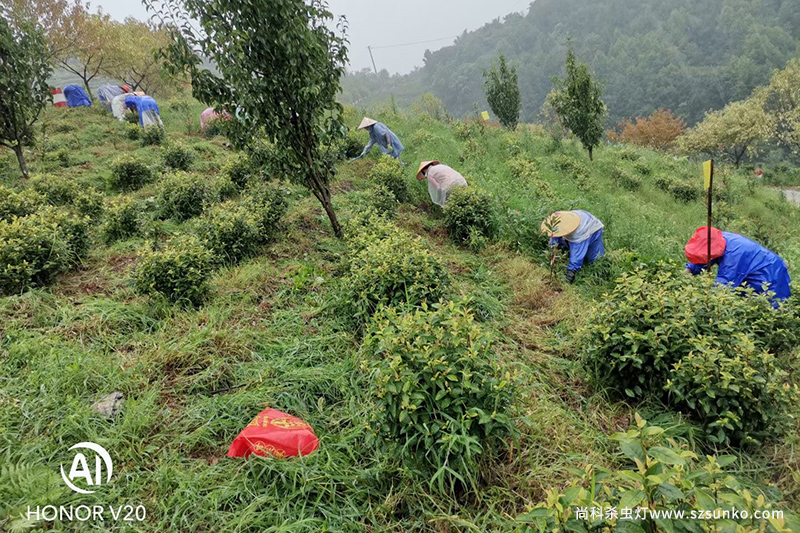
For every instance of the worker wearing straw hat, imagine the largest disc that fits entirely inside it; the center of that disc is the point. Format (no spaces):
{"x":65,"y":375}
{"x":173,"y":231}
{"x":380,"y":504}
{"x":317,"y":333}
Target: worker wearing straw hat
{"x":441,"y":180}
{"x":580,"y":232}
{"x":741,"y":262}
{"x":379,"y":134}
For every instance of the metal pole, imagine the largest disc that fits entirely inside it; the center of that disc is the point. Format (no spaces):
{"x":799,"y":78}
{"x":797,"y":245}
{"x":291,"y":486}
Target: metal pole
{"x":373,"y":59}
{"x":710,"y":189}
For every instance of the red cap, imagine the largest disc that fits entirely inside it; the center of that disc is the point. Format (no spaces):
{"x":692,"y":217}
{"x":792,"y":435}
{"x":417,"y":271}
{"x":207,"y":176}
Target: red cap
{"x":697,"y":248}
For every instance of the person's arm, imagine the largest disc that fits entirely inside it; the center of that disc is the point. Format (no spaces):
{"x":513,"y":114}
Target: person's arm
{"x":693,"y":269}
{"x":366,"y":150}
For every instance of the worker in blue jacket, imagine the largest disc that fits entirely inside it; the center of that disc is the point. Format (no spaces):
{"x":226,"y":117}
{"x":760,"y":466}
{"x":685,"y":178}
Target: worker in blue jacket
{"x":741,"y":261}
{"x":580,"y":232}
{"x":379,"y":134}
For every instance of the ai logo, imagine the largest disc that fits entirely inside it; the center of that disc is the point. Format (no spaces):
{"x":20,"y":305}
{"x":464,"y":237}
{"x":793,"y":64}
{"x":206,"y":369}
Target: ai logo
{"x":80,"y":468}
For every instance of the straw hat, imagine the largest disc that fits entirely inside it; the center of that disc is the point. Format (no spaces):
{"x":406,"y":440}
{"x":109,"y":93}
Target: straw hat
{"x":367,"y":122}
{"x":423,"y":166}
{"x":697,"y":248}
{"x":568,"y":221}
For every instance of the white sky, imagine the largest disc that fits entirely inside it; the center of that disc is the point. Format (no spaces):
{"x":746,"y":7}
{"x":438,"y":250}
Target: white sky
{"x":381,"y":23}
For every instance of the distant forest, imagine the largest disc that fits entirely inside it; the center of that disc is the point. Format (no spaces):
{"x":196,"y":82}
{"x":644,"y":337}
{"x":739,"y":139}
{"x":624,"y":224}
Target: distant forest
{"x":689,"y":56}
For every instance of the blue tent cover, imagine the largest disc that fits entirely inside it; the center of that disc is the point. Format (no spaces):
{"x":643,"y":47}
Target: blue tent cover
{"x":76,"y":96}
{"x":141,"y":104}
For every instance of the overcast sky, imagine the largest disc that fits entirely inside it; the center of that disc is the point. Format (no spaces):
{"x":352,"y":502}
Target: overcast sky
{"x":383,"y":23}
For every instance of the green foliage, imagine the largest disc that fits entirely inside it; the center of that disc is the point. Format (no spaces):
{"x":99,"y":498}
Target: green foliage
{"x":239,"y":170}
{"x":351,"y":145}
{"x":179,"y":272}
{"x":123,"y":219}
{"x":182,"y":196}
{"x":153,"y":135}
{"x":59,"y":190}
{"x":502,"y":92}
{"x":178,"y":156}
{"x":280,"y":61}
{"x":577,"y":101}
{"x":380,"y":198}
{"x":388,"y":267}
{"x":19,"y":203}
{"x":24,"y":74}
{"x":132,"y":117}
{"x":662,"y":475}
{"x":133,"y":132}
{"x":469,"y":211}
{"x":642,"y":168}
{"x":129,"y":173}
{"x":440,"y":395}
{"x":781,"y":101}
{"x":704,"y":349}
{"x":231,"y":231}
{"x":625,"y":179}
{"x":268,"y":204}
{"x":389,"y":172}
{"x":36,"y":247}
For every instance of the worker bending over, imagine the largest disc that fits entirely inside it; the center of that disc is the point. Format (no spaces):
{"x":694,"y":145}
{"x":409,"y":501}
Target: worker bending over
{"x":580,"y":232}
{"x":741,"y":262}
{"x":441,"y":180}
{"x":379,"y":134}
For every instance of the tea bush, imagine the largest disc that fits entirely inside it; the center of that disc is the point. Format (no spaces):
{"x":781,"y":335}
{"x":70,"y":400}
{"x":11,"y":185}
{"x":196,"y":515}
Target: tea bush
{"x":231,"y":231}
{"x":440,"y":395}
{"x":392,"y":269}
{"x":684,"y":191}
{"x":132,"y":117}
{"x":179,"y":272}
{"x":625,"y":179}
{"x":642,"y":168}
{"x":123,"y":219}
{"x":129,"y":173}
{"x":19,"y":203}
{"x":470,"y":210}
{"x":671,"y":336}
{"x":628,"y":154}
{"x":133,"y":132}
{"x":239,"y":170}
{"x":575,"y":169}
{"x":660,"y":474}
{"x":61,"y":191}
{"x":182,"y":196}
{"x":36,"y":247}
{"x":268,"y":204}
{"x":380,"y":198}
{"x":389,"y":173}
{"x":351,"y":145}
{"x":178,"y":156}
{"x":153,"y":135}
{"x":367,"y":226}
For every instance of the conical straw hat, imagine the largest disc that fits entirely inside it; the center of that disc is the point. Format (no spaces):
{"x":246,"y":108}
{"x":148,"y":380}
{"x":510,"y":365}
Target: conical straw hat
{"x":423,"y":166}
{"x":568,"y":221}
{"x":366,"y":123}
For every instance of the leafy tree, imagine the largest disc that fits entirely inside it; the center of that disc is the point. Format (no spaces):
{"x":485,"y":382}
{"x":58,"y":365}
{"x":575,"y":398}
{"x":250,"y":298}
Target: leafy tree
{"x":577,"y":101}
{"x":279,"y":65}
{"x":730,"y":132}
{"x":24,"y":91}
{"x":658,"y":131}
{"x":58,"y":19}
{"x":502,"y":92}
{"x":133,"y":59}
{"x":84,"y":49}
{"x":781,"y":100}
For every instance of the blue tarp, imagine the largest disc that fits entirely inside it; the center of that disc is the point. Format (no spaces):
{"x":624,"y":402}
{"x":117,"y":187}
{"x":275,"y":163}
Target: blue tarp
{"x":76,"y":96}
{"x":747,"y":262}
{"x":146,"y":107}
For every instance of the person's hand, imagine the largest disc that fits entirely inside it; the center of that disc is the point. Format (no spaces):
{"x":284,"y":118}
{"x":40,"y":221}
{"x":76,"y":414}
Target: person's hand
{"x":570,"y":276}
{"x":389,"y":147}
{"x":687,"y":270}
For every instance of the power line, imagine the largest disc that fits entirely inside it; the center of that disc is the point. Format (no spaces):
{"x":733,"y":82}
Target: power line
{"x":411,"y":44}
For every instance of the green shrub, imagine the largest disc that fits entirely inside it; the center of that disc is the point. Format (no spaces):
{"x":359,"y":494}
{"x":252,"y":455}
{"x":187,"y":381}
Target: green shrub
{"x":268,"y":204}
{"x":179,"y":272}
{"x":470,"y":209}
{"x":662,"y":475}
{"x":182,"y":196}
{"x":625,"y":179}
{"x":36,"y":247}
{"x":63,"y":157}
{"x":642,"y":168}
{"x":56,"y":189}
{"x":19,"y":203}
{"x":703,"y":349}
{"x":239,"y":170}
{"x":123,"y":219}
{"x":389,"y":172}
{"x":133,"y":131}
{"x":231,"y":231}
{"x":575,"y":169}
{"x":628,"y":154}
{"x":153,"y":135}
{"x":178,"y":156}
{"x":664,"y":182}
{"x":351,"y":145}
{"x":392,"y":269}
{"x":381,"y":199}
{"x":132,"y":117}
{"x":440,"y":395}
{"x":684,"y":191}
{"x":367,"y":226}
{"x":129,"y":173}
{"x":216,"y":126}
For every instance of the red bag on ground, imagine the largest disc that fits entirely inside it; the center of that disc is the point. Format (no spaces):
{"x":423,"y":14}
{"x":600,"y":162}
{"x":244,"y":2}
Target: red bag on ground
{"x":274,"y":434}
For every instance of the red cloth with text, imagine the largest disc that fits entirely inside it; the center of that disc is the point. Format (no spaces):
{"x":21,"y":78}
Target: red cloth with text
{"x":273,"y":433}
{"x":697,"y":248}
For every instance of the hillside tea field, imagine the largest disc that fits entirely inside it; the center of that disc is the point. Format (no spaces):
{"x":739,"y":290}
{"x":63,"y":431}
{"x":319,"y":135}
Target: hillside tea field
{"x":455,"y":381}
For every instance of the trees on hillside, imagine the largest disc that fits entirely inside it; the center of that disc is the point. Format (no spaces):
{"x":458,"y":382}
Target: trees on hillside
{"x":577,"y":101}
{"x":502,"y":92}
{"x":24,"y":69}
{"x":132,"y":55}
{"x":279,"y":66}
{"x":658,"y":131}
{"x":84,"y":50}
{"x":729,"y":133}
{"x":781,"y":101}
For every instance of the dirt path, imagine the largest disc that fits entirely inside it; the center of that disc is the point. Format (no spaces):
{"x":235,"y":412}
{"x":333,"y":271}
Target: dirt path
{"x":793,"y":195}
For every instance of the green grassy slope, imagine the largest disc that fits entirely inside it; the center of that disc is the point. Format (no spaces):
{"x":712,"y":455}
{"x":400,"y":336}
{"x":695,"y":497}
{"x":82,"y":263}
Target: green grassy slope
{"x":270,"y":336}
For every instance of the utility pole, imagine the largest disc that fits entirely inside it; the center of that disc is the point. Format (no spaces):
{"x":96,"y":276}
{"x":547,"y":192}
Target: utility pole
{"x":372,"y":58}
